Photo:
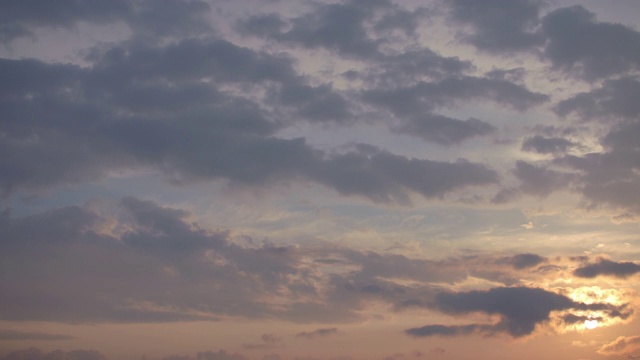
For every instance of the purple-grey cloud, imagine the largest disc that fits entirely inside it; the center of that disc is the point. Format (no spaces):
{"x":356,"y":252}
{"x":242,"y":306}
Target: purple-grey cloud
{"x":521,"y":309}
{"x":322,"y":332}
{"x":604,"y":267}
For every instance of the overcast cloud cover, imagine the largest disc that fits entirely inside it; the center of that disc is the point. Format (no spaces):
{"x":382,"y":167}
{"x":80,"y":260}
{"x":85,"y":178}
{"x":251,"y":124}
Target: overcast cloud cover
{"x":202,"y":179}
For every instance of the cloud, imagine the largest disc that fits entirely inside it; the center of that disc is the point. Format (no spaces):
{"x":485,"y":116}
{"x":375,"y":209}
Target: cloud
{"x":623,"y":345}
{"x":614,"y":99}
{"x":545,"y":145}
{"x":498,"y":26}
{"x":520,"y":309}
{"x":610,"y":177}
{"x":208,"y":355}
{"x":37,"y":354}
{"x":430,"y":95}
{"x":337,"y":27}
{"x":18,"y":18}
{"x":580,"y":45}
{"x":268,"y":341}
{"x":323,"y":332}
{"x":524,"y":261}
{"x":444,"y":330}
{"x":30,"y":335}
{"x":156,"y":265}
{"x":444,"y":130}
{"x":604,"y":267}
{"x":540,"y":181}
{"x":383,"y":177}
{"x":415,"y":105}
{"x":146,"y":17}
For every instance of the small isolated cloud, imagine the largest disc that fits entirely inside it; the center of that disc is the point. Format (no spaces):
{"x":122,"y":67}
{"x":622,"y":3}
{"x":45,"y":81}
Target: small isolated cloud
{"x":268,"y":341}
{"x":621,"y":346}
{"x":604,"y":267}
{"x":317,"y":333}
{"x":445,"y":330}
{"x":524,"y":261}
{"x":32,"y":335}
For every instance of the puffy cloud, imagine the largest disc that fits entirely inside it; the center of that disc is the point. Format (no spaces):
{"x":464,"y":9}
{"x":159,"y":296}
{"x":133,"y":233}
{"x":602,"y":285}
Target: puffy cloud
{"x":146,"y":106}
{"x":615,"y":99}
{"x":578,"y":44}
{"x":498,"y":26}
{"x":604,"y":267}
{"x":621,"y":346}
{"x":338,"y":27}
{"x":524,"y":261}
{"x":383,"y":177}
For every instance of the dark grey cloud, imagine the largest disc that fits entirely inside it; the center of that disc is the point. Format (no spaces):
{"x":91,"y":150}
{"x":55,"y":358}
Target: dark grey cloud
{"x":37,"y":354}
{"x":415,"y":105}
{"x":580,"y":45}
{"x":523,"y":261}
{"x":610,"y":177}
{"x":147,"y":106}
{"x":11,"y":335}
{"x":604,"y":267}
{"x":444,"y":330}
{"x":541,"y":181}
{"x":19,"y":17}
{"x":316,"y":103}
{"x":615,"y":99}
{"x":322,"y":332}
{"x":385,"y":177}
{"x":431,"y":95}
{"x":547,"y":145}
{"x":443,"y":129}
{"x":521,"y":309}
{"x":498,"y":26}
{"x":147,"y":18}
{"x":338,"y":27}
{"x":407,"y":67}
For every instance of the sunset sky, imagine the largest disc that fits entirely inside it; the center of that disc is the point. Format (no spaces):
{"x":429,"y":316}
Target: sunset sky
{"x":335,"y":180}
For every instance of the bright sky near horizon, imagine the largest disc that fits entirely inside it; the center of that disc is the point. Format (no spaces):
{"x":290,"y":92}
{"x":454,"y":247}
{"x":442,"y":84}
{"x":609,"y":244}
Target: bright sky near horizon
{"x":298,"y":180}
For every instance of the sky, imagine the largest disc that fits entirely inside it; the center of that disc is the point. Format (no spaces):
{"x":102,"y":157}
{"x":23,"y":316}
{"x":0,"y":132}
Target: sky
{"x":302,"y":180}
